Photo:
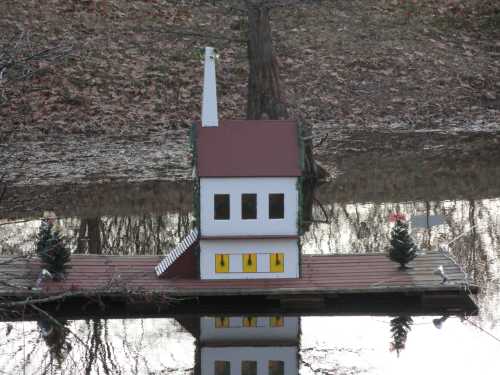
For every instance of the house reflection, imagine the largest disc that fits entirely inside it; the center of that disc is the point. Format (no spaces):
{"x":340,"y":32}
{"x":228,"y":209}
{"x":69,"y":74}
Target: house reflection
{"x":245,"y":345}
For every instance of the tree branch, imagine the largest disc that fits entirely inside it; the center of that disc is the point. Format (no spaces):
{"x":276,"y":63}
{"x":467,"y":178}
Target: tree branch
{"x":17,"y":58}
{"x":86,"y":294}
{"x":327,"y":218}
{"x":270,"y":4}
{"x":321,"y":141}
{"x":58,"y":323}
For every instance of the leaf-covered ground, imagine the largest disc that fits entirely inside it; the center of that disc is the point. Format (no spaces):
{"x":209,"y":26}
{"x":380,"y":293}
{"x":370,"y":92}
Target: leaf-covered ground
{"x":132,"y":69}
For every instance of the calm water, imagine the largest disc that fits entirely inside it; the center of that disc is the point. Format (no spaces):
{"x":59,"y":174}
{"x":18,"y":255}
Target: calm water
{"x":345,"y":217}
{"x":323,"y":345}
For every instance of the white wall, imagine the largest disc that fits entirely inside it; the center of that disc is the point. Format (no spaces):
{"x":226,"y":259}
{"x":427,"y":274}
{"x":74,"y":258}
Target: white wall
{"x":235,"y":249}
{"x":237,"y":333}
{"x":262,"y":186}
{"x":287,"y":354}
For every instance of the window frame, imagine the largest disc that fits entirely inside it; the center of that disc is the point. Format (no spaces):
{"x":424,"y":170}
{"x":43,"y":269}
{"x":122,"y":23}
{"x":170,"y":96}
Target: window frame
{"x":221,"y":322}
{"x":247,"y":195}
{"x":270,"y":205}
{"x":255,"y":367}
{"x":281,"y":365}
{"x":253,"y":259}
{"x":249,"y":322}
{"x":276,"y":321}
{"x":225,"y":259}
{"x":226,"y":369}
{"x":228,"y":206}
{"x":273,"y":266}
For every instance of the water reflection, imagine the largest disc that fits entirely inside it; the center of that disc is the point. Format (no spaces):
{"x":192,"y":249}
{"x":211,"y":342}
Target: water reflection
{"x":56,"y":338}
{"x":400,"y":327}
{"x":137,"y":235}
{"x":250,"y":345}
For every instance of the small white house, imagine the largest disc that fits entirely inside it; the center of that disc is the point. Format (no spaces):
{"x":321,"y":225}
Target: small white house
{"x":249,"y":199}
{"x":248,"y":178}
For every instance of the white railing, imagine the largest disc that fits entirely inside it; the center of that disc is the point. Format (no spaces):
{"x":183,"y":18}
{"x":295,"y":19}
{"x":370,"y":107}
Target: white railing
{"x":174,"y":254}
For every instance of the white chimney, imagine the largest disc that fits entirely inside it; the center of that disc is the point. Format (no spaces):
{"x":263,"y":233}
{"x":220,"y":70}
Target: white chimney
{"x":209,"y":117}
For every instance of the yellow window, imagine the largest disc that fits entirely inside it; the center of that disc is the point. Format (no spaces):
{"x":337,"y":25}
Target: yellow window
{"x":249,"y":262}
{"x":221,"y":263}
{"x":276,"y":321}
{"x":249,"y":321}
{"x":221,"y":322}
{"x":277,"y":262}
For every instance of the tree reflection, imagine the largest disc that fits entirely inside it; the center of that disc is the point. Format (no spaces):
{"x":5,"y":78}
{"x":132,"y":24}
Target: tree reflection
{"x":400,"y":327}
{"x":92,"y":346}
{"x":99,"y":351}
{"x":129,"y":235}
{"x":89,"y":235}
{"x":55,"y":337}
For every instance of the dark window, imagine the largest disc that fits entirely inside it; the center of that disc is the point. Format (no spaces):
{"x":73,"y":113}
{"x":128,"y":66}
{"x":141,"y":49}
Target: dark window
{"x":222,"y":368}
{"x":276,"y":206}
{"x":276,"y":368}
{"x":221,"y":206}
{"x":249,"y":368}
{"x":249,"y":206}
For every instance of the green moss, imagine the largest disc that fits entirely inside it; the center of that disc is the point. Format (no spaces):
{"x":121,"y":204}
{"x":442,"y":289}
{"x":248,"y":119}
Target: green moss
{"x":300,"y":140}
{"x":300,"y":208}
{"x":300,"y":180}
{"x":196,"y":182}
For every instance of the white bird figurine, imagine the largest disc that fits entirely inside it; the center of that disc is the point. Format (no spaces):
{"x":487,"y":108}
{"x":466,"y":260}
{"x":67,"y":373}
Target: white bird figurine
{"x":45,"y":274}
{"x":438,"y":323}
{"x":440,"y":271}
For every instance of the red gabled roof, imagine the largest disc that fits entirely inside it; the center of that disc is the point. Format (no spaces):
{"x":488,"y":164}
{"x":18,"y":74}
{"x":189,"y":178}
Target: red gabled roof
{"x":248,"y":148}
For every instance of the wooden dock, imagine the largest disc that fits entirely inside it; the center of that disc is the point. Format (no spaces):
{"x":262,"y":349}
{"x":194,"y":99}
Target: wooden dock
{"x":117,"y":286}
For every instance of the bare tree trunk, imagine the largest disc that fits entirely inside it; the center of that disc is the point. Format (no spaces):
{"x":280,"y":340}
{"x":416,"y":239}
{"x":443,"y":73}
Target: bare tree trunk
{"x":312,"y":169}
{"x":82,"y":231}
{"x":264,"y":94}
{"x":94,"y":235}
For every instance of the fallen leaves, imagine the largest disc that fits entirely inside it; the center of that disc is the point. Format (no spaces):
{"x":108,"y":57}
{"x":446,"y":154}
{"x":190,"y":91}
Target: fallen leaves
{"x":137,"y":66}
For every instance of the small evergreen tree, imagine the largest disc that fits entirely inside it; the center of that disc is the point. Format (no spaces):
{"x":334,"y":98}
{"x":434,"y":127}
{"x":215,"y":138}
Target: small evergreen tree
{"x":402,"y":250}
{"x":400,"y":326}
{"x":51,"y":250}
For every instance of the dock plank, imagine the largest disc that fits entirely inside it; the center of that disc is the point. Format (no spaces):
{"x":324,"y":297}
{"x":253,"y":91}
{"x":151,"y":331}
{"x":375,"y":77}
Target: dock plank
{"x":327,"y":274}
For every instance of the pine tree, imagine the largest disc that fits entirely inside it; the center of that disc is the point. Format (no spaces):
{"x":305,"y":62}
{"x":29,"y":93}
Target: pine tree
{"x":400,"y":326}
{"x":51,"y":250}
{"x":402,"y":250}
